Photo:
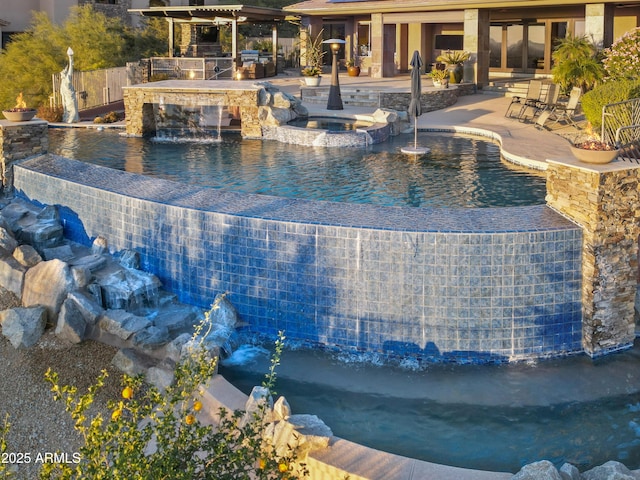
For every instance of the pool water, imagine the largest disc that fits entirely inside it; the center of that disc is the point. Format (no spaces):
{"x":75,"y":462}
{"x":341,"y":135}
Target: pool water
{"x":489,"y":417}
{"x":457,"y":172}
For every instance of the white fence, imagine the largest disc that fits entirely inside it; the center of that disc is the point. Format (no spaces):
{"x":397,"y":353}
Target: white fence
{"x":93,"y":88}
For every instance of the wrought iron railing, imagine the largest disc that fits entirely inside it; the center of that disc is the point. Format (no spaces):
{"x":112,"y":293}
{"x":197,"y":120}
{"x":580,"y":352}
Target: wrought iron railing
{"x":182,"y":68}
{"x":621,"y":126}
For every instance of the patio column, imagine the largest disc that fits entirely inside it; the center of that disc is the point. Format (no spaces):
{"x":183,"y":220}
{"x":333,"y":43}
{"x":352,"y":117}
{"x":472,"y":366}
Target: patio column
{"x":274,"y":47}
{"x":234,"y":46}
{"x":171,"y":31}
{"x":599,"y":24}
{"x":476,"y":42}
{"x":377,"y":45}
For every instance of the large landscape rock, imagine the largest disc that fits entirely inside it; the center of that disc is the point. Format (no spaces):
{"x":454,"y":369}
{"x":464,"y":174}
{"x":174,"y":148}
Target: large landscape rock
{"x":23,"y":327}
{"x":12,"y":274}
{"x":47,"y":284}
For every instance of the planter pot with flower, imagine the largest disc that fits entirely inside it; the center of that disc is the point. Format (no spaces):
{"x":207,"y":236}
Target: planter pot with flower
{"x":594,"y":151}
{"x":440,"y":78}
{"x":455,"y":63}
{"x":311,"y":76}
{"x":352,"y":69}
{"x":19,"y":113}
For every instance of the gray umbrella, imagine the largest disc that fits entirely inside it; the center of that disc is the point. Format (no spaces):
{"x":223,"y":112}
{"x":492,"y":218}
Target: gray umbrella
{"x":415,"y":108}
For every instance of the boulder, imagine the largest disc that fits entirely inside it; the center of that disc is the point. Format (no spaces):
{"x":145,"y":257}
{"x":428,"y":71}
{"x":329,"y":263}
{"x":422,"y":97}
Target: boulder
{"x":100,"y":245}
{"x":570,"y":472}
{"x":272,"y":116}
{"x":23,"y":327}
{"x":281,"y":409}
{"x":122,"y":324}
{"x":132,"y":362}
{"x":542,"y":470}
{"x":128,"y":289}
{"x":610,"y":471}
{"x":42,"y":235}
{"x":27,"y":256}
{"x":130,"y":259}
{"x":87,"y":306}
{"x":71,"y":325}
{"x":12,"y":274}
{"x":177,"y":319}
{"x":304,"y":433}
{"x":258,"y":397}
{"x":161,"y":375}
{"x":47,"y":284}
{"x":7,"y":241}
{"x":152,"y":337}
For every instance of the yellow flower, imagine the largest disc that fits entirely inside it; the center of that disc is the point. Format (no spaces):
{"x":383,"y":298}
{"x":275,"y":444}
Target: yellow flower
{"x":197,"y":405}
{"x":262,"y":463}
{"x":283,"y":467}
{"x":127,"y":393}
{"x":190,"y":419}
{"x":116,"y":414}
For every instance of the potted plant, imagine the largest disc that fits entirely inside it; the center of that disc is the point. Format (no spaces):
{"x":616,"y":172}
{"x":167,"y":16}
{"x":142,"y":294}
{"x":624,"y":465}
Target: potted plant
{"x":311,"y":76}
{"x":352,"y":69}
{"x":454,"y":61}
{"x":440,"y":78}
{"x":19,"y":113}
{"x":314,"y":55}
{"x":594,"y":151}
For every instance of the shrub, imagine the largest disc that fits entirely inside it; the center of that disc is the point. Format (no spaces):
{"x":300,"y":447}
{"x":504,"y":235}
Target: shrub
{"x":622,"y":59}
{"x":167,"y":423}
{"x":50,"y":114}
{"x":605,"y":93}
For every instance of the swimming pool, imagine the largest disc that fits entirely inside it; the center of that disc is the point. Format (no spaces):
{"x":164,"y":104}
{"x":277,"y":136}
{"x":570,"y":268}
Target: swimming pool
{"x":458,"y":171}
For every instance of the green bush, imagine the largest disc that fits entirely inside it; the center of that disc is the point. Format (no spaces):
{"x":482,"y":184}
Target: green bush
{"x":609,"y":92}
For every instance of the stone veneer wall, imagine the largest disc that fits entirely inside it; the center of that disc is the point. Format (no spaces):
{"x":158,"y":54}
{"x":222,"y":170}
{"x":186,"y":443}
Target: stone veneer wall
{"x":464,"y":285}
{"x":20,"y":140}
{"x":139,"y":103}
{"x":605,"y":201}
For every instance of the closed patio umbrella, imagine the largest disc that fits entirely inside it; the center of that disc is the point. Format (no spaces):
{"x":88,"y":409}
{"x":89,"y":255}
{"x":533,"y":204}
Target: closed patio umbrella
{"x":415,"y":108}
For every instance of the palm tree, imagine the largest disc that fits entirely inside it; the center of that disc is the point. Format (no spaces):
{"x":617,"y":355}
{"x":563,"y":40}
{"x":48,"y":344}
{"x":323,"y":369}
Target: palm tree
{"x":576,"y":63}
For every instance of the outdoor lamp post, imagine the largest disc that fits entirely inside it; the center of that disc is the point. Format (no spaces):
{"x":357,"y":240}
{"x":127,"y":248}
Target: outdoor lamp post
{"x":335,"y":100}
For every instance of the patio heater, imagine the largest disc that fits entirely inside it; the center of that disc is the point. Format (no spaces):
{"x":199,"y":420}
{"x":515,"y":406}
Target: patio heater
{"x":335,"y":99}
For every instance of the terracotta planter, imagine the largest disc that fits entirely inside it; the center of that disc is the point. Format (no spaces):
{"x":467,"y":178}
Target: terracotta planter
{"x":594,"y":156}
{"x":19,"y":116}
{"x":312,"y":81}
{"x":353,"y":71}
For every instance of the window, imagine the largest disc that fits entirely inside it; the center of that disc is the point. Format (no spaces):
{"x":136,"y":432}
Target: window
{"x":364,"y":39}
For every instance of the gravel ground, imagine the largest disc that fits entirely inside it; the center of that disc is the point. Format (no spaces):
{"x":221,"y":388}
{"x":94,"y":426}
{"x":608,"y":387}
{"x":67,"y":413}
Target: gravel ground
{"x":40,"y":425}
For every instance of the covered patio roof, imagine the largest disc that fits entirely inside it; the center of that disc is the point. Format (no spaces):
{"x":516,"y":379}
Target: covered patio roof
{"x":218,"y":14}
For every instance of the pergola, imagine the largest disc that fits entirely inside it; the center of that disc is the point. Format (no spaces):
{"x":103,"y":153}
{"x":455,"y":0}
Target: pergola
{"x":219,"y":15}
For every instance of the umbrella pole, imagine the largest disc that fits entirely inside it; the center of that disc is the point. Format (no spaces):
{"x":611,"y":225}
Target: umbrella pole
{"x":415,"y":132}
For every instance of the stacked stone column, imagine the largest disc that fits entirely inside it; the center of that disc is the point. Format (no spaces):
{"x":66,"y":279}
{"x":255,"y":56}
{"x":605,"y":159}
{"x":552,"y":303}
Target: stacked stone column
{"x":605,"y":201}
{"x":20,"y":140}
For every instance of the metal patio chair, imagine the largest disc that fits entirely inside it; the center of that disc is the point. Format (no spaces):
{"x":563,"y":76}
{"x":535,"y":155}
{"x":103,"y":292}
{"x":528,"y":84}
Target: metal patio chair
{"x":550,"y":100}
{"x":562,"y":112}
{"x":533,"y":94}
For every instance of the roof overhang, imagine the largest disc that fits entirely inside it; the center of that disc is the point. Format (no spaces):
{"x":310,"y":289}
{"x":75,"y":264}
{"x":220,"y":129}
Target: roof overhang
{"x":361,"y":7}
{"x":218,"y":14}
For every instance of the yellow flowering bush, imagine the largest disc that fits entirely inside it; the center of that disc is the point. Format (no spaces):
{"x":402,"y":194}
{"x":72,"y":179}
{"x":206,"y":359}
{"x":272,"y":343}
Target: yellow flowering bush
{"x":157,"y":435}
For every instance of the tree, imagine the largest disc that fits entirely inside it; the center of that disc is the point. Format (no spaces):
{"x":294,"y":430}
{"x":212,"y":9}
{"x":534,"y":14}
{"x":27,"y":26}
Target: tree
{"x":576,"y":64}
{"x":98,"y":41}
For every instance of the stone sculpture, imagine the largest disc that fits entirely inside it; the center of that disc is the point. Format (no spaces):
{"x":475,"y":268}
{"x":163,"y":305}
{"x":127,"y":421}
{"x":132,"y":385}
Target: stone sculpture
{"x":68,"y":93}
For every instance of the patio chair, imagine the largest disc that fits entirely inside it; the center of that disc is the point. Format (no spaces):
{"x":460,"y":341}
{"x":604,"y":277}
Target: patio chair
{"x":533,"y":94}
{"x":562,"y":112}
{"x":550,"y":100}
